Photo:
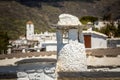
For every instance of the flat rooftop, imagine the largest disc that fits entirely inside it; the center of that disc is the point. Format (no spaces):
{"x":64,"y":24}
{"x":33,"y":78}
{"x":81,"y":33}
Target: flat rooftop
{"x":90,"y":52}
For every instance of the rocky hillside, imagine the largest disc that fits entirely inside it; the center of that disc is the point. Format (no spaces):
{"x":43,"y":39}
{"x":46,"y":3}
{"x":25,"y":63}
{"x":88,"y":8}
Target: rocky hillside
{"x":15,"y":13}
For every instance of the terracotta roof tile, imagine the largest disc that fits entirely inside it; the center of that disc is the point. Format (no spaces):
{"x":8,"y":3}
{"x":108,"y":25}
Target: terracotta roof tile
{"x":29,"y":22}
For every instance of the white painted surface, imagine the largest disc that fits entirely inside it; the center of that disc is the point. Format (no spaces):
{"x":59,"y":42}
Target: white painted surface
{"x":32,"y":76}
{"x":50,"y":45}
{"x":23,"y":79}
{"x":9,"y":51}
{"x":103,"y":61}
{"x":98,"y":41}
{"x":73,"y":34}
{"x":51,"y":48}
{"x":113,"y":42}
{"x":30,"y":31}
{"x":100,"y":24}
{"x":5,"y":62}
{"x":59,"y":40}
{"x":93,"y":32}
{"x":22,"y":74}
{"x":37,"y":71}
{"x":72,"y":57}
{"x":91,"y":60}
{"x":67,"y":19}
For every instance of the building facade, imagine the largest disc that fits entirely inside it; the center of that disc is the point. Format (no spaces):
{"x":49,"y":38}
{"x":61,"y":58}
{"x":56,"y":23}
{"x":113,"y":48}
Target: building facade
{"x":94,"y":40}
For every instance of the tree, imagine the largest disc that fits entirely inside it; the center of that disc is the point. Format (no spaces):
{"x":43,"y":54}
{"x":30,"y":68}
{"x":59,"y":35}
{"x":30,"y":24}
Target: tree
{"x":86,"y":19}
{"x":4,"y":41}
{"x":109,"y":30}
{"x":107,"y":17}
{"x":118,"y":31}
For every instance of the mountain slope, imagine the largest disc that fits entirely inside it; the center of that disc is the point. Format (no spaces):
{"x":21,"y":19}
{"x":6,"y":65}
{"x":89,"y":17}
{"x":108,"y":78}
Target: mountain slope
{"x":15,"y":13}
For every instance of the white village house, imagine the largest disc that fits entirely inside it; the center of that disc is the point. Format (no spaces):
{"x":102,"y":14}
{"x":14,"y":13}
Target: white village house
{"x":42,"y":65}
{"x":47,"y":40}
{"x":94,"y":40}
{"x":99,"y":24}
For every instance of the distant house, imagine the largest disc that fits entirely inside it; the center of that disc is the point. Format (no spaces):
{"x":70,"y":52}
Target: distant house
{"x":94,"y":40}
{"x":113,"y":42}
{"x":100,"y":24}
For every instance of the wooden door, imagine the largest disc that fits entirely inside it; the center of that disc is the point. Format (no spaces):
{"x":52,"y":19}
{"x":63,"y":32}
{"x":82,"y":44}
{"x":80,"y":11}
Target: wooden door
{"x":87,"y":41}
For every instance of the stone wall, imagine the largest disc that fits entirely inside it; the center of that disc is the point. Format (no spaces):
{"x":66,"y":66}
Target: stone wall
{"x":72,"y":57}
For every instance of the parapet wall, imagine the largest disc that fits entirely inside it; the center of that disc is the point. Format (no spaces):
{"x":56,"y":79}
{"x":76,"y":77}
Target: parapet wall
{"x":95,"y":57}
{"x":103,"y":61}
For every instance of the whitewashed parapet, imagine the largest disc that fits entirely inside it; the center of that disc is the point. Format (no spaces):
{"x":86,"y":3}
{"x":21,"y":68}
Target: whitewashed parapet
{"x":72,"y":57}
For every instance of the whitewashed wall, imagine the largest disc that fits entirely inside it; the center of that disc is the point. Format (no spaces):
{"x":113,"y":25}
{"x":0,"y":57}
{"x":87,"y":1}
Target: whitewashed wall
{"x":103,"y":61}
{"x":113,"y":42}
{"x":36,"y":71}
{"x":51,"y":48}
{"x":73,"y":34}
{"x":99,"y":24}
{"x":98,"y":41}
